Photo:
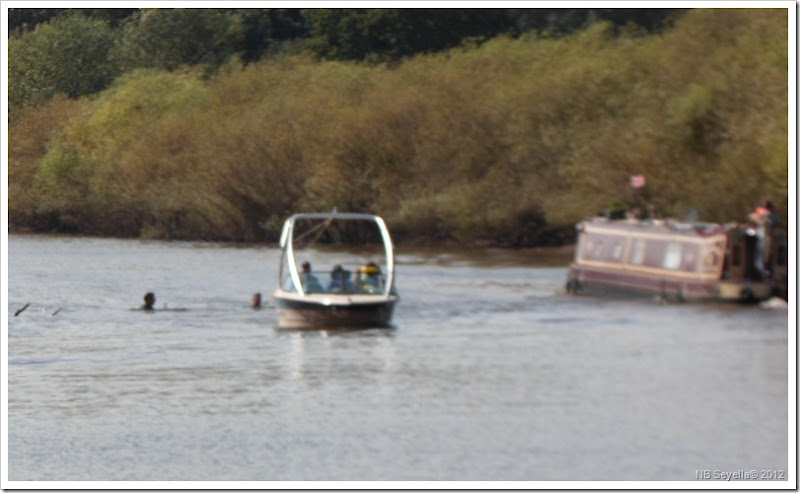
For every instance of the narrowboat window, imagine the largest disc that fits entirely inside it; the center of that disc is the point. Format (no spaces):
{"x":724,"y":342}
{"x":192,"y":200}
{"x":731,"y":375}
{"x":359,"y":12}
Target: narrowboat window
{"x":602,"y":248}
{"x":654,"y":254}
{"x":587,"y":247}
{"x":637,"y":255}
{"x":690,"y":253}
{"x":672,"y":256}
{"x":597,"y":250}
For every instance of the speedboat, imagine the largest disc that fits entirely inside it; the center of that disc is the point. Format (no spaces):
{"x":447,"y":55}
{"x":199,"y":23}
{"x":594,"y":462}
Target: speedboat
{"x":678,"y":261}
{"x":336,"y":296}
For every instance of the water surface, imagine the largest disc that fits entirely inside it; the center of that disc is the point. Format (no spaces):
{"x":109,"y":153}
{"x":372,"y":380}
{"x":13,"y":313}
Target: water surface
{"x":490,"y":373}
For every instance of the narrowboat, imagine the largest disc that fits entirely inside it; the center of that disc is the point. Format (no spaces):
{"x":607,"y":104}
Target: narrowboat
{"x":310,"y":298}
{"x":678,"y":261}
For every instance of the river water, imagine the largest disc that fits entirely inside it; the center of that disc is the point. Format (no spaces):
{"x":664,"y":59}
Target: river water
{"x":490,"y":373}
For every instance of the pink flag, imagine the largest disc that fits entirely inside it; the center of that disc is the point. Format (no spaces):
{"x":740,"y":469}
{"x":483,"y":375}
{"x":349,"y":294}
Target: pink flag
{"x":637,"y":181}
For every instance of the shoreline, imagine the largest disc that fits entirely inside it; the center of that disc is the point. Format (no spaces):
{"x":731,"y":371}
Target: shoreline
{"x":440,"y":253}
{"x":414,"y":243}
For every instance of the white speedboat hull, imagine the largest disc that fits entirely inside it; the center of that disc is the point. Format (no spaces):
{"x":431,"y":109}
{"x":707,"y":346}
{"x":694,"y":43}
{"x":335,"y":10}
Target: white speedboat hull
{"x":345,"y":311}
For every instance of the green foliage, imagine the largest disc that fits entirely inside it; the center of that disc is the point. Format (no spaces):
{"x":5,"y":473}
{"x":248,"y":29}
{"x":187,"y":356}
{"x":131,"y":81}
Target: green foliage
{"x":560,"y":21}
{"x":31,"y":134}
{"x":269,"y":31}
{"x":69,"y":55}
{"x":29,"y":18}
{"x":104,"y":42}
{"x":510,"y":141}
{"x":171,"y":38}
{"x":391,"y":34}
{"x":60,"y":180}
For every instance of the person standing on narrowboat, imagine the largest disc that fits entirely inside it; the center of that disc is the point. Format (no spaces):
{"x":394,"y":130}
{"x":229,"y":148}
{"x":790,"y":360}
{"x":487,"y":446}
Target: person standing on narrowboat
{"x":764,"y":217}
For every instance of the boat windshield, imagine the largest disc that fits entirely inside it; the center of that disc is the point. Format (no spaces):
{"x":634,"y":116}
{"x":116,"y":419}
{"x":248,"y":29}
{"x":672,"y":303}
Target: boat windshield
{"x":363,"y":281}
{"x":336,"y":254}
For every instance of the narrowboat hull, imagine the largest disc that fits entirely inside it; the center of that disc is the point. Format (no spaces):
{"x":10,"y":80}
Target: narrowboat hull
{"x":333,"y":311}
{"x":600,"y":282}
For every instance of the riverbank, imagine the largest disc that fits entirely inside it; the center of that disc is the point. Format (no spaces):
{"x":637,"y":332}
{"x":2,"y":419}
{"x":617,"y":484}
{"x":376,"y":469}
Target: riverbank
{"x":416,"y":245}
{"x":508,"y":143}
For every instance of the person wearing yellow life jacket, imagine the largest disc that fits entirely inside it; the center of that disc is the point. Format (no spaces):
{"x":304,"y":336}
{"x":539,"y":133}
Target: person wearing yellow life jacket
{"x":368,"y":278}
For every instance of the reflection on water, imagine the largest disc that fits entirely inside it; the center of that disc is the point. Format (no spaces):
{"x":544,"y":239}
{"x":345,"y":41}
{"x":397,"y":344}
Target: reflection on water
{"x":361,"y":342}
{"x":490,"y":372}
{"x":296,"y":356}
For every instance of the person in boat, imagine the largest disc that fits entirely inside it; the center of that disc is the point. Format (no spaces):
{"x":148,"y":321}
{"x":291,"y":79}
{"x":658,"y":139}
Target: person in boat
{"x":340,"y":280}
{"x":149,"y":302}
{"x":368,"y":278}
{"x":308,"y":280}
{"x":763,"y":217}
{"x":766,"y":213}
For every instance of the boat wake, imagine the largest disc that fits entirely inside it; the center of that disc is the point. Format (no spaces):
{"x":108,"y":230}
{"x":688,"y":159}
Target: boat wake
{"x":774,"y":303}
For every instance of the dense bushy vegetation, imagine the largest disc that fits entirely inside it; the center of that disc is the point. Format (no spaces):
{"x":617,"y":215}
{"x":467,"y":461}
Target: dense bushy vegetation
{"x":80,"y":51}
{"x":508,"y":141}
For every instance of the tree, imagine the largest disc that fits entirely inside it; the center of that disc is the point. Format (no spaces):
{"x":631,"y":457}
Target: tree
{"x":265,"y":30}
{"x":390,"y":34}
{"x":69,"y":55}
{"x":28,"y":19}
{"x":561,"y":21}
{"x":171,"y":38}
